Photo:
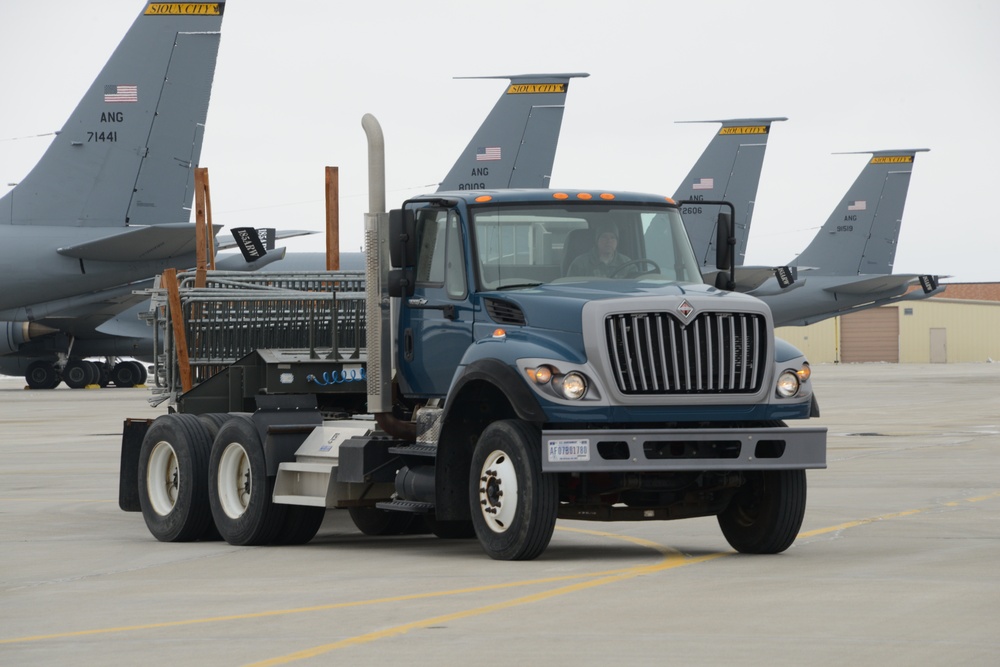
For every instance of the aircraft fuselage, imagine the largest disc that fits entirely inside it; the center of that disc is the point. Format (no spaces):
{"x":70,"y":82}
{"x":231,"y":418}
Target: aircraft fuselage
{"x":33,"y":272}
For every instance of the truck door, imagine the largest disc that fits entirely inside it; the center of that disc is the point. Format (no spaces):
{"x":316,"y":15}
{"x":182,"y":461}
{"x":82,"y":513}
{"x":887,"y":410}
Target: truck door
{"x":436,"y":322}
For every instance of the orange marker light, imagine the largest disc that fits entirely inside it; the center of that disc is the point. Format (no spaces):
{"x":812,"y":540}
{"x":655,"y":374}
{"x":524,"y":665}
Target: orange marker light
{"x":584,"y":195}
{"x":483,"y":198}
{"x":607,"y":195}
{"x":560,"y":195}
{"x":669,"y":200}
{"x":499,"y":333}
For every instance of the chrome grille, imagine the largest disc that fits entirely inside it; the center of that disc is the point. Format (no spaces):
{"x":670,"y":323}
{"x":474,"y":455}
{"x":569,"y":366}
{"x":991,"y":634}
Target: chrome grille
{"x":655,"y":353}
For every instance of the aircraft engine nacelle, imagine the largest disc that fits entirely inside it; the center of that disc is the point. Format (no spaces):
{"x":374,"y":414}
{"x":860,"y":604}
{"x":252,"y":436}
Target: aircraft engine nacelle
{"x":15,"y":334}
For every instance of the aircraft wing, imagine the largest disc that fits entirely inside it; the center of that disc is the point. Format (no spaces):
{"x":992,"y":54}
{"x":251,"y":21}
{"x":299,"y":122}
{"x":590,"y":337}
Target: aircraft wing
{"x":273,"y":235}
{"x":82,"y":315}
{"x":156,"y":242}
{"x":237,"y":262}
{"x":748,"y":278}
{"x":875,"y":284}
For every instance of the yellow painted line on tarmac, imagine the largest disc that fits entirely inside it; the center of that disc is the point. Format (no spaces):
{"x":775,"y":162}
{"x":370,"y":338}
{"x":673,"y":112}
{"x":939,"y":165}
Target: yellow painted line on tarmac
{"x":671,"y":559}
{"x":895,"y":515}
{"x":860,"y":522}
{"x":57,"y":500}
{"x":303,"y":610}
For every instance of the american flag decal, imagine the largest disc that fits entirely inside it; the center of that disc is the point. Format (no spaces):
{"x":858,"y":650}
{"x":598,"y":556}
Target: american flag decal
{"x":488,"y":153}
{"x":121,"y":94}
{"x":859,"y":205}
{"x":704,"y":184}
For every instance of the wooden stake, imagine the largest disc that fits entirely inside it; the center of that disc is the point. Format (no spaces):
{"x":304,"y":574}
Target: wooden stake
{"x":332,"y":219}
{"x":169,"y":277}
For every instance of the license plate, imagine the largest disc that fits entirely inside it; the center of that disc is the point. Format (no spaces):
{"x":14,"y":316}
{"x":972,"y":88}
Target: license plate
{"x":569,"y":450}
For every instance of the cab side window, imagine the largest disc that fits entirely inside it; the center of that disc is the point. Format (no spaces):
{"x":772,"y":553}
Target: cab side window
{"x":430,"y":227}
{"x":440,"y":260}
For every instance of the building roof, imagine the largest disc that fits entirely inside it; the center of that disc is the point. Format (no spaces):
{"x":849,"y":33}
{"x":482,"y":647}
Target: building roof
{"x":971,"y":291}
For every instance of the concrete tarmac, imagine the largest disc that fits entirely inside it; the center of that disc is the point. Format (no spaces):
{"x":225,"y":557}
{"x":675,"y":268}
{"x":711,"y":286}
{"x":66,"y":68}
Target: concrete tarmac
{"x":896,"y":564}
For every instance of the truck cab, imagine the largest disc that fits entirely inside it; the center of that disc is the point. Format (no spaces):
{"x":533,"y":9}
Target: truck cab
{"x":638,"y":389}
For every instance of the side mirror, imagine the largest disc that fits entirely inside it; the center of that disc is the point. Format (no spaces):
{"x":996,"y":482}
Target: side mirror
{"x":402,"y":237}
{"x":724,"y":242}
{"x":401,"y":282}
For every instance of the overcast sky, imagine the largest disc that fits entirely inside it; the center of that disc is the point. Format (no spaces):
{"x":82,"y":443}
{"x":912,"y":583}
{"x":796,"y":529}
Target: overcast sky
{"x":294,"y":79}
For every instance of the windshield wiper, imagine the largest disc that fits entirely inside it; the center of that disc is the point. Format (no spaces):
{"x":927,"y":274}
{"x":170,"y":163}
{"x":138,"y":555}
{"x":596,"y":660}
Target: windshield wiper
{"x":519,"y":285}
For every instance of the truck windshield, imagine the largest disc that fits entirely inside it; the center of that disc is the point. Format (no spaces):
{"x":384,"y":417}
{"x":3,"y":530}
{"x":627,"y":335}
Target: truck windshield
{"x":524,"y":246}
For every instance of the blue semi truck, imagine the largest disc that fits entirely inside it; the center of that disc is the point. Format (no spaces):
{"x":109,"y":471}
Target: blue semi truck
{"x":497,"y":389}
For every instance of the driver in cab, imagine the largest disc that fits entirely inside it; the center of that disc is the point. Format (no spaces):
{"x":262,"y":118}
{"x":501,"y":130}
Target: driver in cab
{"x":604,"y":259}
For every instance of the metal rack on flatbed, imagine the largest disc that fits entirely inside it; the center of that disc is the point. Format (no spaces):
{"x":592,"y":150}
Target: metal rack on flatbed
{"x":224,"y":337}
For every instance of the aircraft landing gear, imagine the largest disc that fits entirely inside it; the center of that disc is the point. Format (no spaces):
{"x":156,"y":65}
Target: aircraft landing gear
{"x":42,"y":375}
{"x":78,"y":373}
{"x":128,"y":374}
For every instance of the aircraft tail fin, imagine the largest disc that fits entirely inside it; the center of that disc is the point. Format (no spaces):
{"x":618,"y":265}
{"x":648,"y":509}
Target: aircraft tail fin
{"x":515,"y":146}
{"x":860,"y":235}
{"x":729,"y":169}
{"x":128,"y":151}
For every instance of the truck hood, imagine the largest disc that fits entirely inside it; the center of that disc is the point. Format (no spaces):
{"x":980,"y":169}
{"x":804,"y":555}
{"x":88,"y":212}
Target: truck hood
{"x":558,"y":306}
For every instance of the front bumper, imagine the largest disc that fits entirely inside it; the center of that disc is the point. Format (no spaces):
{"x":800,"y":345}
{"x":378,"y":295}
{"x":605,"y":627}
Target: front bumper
{"x":669,"y":450}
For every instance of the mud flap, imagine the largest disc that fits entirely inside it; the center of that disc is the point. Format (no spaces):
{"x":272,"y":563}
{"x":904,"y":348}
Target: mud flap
{"x":133,"y":433}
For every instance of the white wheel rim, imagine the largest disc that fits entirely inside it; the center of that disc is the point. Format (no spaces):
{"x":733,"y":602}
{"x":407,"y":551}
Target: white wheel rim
{"x":234,"y":481}
{"x":163,"y":478}
{"x":498,"y":491}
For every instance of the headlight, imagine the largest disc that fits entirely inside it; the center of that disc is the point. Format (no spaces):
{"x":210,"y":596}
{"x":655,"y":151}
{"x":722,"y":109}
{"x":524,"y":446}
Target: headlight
{"x":788,"y":384}
{"x":573,"y":386}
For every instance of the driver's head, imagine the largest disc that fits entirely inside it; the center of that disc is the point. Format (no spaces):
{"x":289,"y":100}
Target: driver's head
{"x":606,"y":236}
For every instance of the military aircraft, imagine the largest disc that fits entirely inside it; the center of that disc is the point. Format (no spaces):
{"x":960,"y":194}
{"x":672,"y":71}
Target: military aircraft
{"x":728,"y":169}
{"x":518,"y":139}
{"x":516,"y":144}
{"x":109,"y":202}
{"x":515,"y":147}
{"x":847,"y":266}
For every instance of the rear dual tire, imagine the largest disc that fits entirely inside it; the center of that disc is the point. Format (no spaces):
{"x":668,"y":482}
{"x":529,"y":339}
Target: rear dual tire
{"x":173,"y":488}
{"x":241,"y":493}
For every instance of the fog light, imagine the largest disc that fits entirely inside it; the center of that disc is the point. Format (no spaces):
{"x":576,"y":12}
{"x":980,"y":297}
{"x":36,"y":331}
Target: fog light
{"x":540,"y":375}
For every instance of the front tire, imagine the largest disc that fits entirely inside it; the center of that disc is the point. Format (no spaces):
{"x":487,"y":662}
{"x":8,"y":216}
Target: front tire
{"x":513,"y":502}
{"x":765,"y":515}
{"x":239,"y":490}
{"x":173,"y":478}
